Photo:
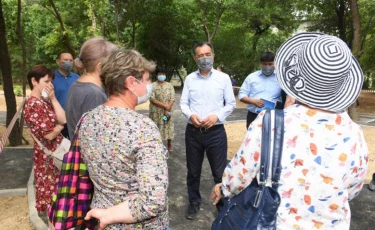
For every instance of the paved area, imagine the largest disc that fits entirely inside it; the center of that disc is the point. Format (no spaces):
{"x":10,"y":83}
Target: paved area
{"x":15,"y":167}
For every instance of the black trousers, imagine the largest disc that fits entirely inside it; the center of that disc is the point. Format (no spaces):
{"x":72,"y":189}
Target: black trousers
{"x":65,"y":132}
{"x":214,"y":142}
{"x":250,"y":118}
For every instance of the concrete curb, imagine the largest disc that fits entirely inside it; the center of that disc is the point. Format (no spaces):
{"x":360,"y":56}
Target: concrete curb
{"x":13,"y":192}
{"x":35,"y":220}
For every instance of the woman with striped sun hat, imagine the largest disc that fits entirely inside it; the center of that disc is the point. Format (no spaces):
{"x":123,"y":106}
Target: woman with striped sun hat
{"x":324,"y":157}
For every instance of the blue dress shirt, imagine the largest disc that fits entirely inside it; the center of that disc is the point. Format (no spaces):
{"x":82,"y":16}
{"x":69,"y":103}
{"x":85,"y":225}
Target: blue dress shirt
{"x":257,"y":85}
{"x":62,"y":84}
{"x":205,"y":96}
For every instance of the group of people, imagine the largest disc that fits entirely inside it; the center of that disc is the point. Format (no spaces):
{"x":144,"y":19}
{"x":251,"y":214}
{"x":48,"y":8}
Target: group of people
{"x":324,"y":157}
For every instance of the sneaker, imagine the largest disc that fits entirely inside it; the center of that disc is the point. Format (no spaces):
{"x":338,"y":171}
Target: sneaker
{"x":371,"y":185}
{"x":192,"y":212}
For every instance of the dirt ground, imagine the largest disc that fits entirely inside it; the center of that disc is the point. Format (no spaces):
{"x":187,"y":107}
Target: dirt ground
{"x":14,"y":213}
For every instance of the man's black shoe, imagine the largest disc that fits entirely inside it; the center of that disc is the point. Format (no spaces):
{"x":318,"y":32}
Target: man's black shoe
{"x":192,"y":212}
{"x":371,"y":185}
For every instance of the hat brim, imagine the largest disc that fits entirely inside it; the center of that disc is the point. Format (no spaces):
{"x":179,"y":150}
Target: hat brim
{"x":330,"y":100}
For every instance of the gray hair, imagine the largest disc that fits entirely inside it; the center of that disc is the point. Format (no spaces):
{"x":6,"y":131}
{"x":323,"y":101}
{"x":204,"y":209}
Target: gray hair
{"x":121,"y":64}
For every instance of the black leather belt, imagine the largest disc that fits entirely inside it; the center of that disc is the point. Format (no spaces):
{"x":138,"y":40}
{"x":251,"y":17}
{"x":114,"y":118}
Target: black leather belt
{"x":204,"y":130}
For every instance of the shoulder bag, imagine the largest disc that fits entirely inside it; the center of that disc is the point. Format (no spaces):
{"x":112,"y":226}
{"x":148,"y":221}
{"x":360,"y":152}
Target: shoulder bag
{"x":58,"y":154}
{"x":72,"y":200}
{"x":256,"y":206}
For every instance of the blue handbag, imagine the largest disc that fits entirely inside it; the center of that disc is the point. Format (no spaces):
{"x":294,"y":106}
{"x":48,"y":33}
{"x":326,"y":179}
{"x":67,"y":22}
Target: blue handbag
{"x":256,"y":206}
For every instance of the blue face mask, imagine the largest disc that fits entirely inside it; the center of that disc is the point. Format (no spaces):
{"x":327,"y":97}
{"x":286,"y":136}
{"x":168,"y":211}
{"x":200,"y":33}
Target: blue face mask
{"x":161,"y":78}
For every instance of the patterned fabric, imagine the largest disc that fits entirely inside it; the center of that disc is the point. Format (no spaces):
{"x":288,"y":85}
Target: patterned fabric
{"x":163,"y":93}
{"x":324,"y":164}
{"x":72,"y":200}
{"x":126,"y":160}
{"x":41,"y":119}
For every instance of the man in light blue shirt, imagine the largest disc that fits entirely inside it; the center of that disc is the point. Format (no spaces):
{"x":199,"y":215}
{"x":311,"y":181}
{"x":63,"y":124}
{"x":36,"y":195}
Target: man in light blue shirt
{"x":202,"y":102}
{"x":64,"y":78}
{"x":260,"y":86}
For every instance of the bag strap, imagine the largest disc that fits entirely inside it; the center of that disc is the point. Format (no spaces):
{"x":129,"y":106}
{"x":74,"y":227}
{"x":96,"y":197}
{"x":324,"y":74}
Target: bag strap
{"x":265,"y":148}
{"x":277,"y":147}
{"x":45,"y":149}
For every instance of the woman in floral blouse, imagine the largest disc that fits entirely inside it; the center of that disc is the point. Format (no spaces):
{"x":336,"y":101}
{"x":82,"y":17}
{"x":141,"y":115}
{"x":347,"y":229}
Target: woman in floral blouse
{"x":161,"y":106}
{"x":46,"y":119}
{"x":123,"y":150}
{"x":324,"y":158}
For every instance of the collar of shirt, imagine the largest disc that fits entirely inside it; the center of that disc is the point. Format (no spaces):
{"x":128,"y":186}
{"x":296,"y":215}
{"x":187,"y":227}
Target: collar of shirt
{"x":59,"y":74}
{"x":201,"y":76}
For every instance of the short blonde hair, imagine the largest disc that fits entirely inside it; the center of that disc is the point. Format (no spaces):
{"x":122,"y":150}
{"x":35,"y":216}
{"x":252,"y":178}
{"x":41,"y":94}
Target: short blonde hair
{"x":92,"y":52}
{"x":121,"y":64}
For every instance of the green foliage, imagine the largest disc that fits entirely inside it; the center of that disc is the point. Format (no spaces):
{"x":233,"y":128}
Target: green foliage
{"x":17,"y":89}
{"x":166,"y":30}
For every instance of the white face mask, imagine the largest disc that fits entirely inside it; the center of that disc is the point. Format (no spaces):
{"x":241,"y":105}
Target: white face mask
{"x":144,"y":98}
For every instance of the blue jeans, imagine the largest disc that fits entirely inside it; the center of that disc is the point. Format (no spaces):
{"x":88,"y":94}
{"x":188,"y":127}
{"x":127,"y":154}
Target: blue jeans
{"x":197,"y":141}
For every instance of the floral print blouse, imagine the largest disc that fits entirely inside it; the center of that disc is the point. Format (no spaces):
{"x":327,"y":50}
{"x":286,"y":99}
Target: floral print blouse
{"x":324,"y":164}
{"x":126,"y":160}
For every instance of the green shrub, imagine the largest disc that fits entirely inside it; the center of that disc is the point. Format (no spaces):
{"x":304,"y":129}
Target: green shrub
{"x":17,"y":90}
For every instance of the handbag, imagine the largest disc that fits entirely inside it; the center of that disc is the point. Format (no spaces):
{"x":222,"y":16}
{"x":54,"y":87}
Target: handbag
{"x":58,"y":154}
{"x":256,"y":206}
{"x":72,"y":200}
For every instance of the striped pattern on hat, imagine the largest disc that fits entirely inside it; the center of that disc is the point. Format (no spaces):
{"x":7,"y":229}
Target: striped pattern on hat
{"x":319,"y":70}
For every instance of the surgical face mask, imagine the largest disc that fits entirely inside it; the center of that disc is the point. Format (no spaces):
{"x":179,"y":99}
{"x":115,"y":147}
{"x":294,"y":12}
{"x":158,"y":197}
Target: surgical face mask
{"x":67,"y":66}
{"x":205,"y":63}
{"x":161,"y":78}
{"x":268,"y":70}
{"x":144,"y":98}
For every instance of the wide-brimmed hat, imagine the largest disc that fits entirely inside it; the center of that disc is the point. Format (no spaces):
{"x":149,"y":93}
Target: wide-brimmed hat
{"x":319,"y":70}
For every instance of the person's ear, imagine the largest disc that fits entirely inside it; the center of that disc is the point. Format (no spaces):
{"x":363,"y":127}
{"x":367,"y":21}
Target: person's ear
{"x":129,"y":83}
{"x":34,"y":82}
{"x":58,"y":62}
{"x":195,"y":58}
{"x":98,"y":67}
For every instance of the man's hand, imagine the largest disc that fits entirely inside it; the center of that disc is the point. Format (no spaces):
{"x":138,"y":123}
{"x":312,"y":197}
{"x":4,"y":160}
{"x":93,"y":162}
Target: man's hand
{"x":195,"y":120}
{"x":258,"y":103}
{"x":209,"y":121}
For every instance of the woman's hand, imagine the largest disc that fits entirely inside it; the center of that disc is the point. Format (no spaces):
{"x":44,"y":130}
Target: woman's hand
{"x":289,"y":101}
{"x":50,"y":91}
{"x":216,"y":194}
{"x":101,"y":215}
{"x":167,"y":107}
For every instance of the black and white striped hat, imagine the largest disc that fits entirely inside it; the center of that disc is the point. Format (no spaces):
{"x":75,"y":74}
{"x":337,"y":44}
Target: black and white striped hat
{"x":319,"y":70}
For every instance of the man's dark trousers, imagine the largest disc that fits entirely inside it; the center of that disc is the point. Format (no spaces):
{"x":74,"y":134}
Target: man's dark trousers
{"x":250,"y":118}
{"x":197,"y":141}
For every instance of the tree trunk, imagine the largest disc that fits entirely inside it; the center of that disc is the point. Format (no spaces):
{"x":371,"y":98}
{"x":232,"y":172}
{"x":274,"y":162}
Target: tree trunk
{"x":62,"y":27}
{"x":356,"y":48}
{"x":340,"y":13}
{"x":117,"y":17}
{"x":15,"y":137}
{"x":219,"y":12}
{"x":24,"y":63}
{"x":23,"y":47}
